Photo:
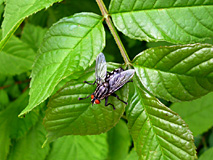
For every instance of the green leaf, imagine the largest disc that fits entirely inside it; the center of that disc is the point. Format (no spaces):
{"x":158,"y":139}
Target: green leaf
{"x":161,"y":20}
{"x":4,"y":99}
{"x":176,"y":73}
{"x":2,"y":79}
{"x":119,"y":141}
{"x":211,"y":138}
{"x":197,"y":113}
{"x":16,"y":11}
{"x":207,"y":155}
{"x":17,"y":127}
{"x":79,"y":148}
{"x":33,"y":35}
{"x":29,"y":147}
{"x":69,"y":47}
{"x":1,"y":10}
{"x":132,"y":155}
{"x":157,"y":131}
{"x":16,"y":57}
{"x":58,"y":11}
{"x":67,"y":115}
{"x":4,"y":142}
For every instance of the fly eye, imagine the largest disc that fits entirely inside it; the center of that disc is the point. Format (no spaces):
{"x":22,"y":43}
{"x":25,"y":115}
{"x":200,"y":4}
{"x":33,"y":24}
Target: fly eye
{"x":92,"y":96}
{"x":97,"y":101}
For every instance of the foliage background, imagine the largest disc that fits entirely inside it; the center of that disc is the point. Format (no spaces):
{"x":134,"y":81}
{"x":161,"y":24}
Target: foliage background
{"x":22,"y":138}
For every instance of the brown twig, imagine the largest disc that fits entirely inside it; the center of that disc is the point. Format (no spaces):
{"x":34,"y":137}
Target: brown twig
{"x":16,"y":83}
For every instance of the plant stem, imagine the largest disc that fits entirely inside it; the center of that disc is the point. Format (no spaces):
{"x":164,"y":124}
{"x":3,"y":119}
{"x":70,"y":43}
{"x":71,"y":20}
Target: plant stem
{"x":113,"y":31}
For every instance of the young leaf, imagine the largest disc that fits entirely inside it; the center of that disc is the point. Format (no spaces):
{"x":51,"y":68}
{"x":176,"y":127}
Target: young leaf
{"x":69,"y":47}
{"x":33,"y":35}
{"x":16,"y":11}
{"x":67,"y":115}
{"x":197,"y":113}
{"x":207,"y":155}
{"x":29,"y":147}
{"x":176,"y":73}
{"x":16,"y":57}
{"x":157,"y":131}
{"x":79,"y":148}
{"x":161,"y":20}
{"x":119,"y":141}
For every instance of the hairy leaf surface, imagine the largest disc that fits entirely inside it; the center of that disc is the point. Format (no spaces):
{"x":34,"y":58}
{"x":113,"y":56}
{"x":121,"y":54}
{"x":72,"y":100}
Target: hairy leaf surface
{"x":16,"y":11}
{"x":157,"y":131}
{"x":161,"y":20}
{"x":197,"y":113}
{"x":79,"y":148}
{"x":69,"y":47}
{"x":176,"y":73}
{"x":67,"y":115}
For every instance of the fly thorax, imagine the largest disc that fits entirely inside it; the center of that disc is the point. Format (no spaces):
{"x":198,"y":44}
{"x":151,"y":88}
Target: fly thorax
{"x":101,"y":90}
{"x":106,"y":84}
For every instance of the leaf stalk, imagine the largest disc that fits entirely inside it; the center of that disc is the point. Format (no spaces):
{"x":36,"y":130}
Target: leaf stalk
{"x":112,"y":29}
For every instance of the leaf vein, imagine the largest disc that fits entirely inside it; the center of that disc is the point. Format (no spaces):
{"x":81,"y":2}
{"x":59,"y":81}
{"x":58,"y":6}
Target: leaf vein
{"x":184,"y":86}
{"x":133,"y":18}
{"x":199,"y":20}
{"x":175,"y":22}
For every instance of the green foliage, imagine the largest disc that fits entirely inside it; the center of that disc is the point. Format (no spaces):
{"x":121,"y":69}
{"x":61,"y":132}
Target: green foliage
{"x":81,"y":39}
{"x":197,"y":114}
{"x":162,"y":20}
{"x":15,"y":14}
{"x":33,"y":36}
{"x":132,"y":155}
{"x":16,"y":57}
{"x":4,"y":99}
{"x":176,"y":73}
{"x":29,"y":147}
{"x":12,"y":126}
{"x":66,"y":113}
{"x":207,"y":155}
{"x":79,"y":147}
{"x":119,"y":141}
{"x":48,"y":50}
{"x":149,"y":119}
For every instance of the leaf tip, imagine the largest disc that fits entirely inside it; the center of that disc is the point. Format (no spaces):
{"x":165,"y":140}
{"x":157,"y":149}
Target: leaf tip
{"x":44,"y":144}
{"x":21,"y":115}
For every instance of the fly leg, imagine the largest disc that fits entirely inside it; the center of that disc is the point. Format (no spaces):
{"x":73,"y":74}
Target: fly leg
{"x":106,"y":100}
{"x":115,"y":95}
{"x":84,"y":98}
{"x":89,"y":83}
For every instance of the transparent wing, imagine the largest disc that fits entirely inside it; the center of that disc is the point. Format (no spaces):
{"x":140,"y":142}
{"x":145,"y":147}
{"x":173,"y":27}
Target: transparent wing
{"x":100,"y":69}
{"x":120,"y":79}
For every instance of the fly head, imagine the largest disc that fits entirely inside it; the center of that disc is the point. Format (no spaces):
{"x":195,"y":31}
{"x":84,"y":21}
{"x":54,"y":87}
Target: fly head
{"x":95,"y":100}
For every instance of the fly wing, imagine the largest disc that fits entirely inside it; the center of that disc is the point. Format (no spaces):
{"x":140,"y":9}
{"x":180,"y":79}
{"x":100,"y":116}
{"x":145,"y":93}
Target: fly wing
{"x":120,"y":79}
{"x":100,"y":69}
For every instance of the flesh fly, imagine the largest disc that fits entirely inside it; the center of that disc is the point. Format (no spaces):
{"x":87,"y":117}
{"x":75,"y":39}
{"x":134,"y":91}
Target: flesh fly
{"x":108,"y":82}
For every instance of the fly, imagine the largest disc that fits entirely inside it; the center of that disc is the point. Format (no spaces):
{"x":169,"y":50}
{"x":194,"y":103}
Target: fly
{"x":108,"y":82}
